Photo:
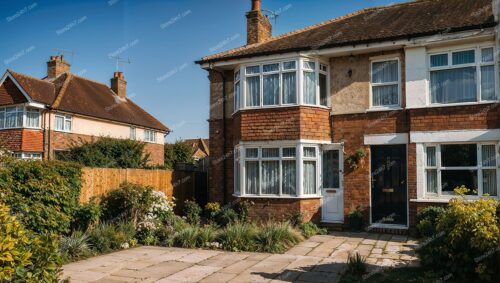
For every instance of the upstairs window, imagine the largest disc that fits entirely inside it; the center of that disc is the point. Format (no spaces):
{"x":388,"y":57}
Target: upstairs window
{"x":462,"y":76}
{"x":237,"y":91}
{"x":385,"y":83}
{"x":32,"y":118}
{"x":63,"y":123}
{"x":132,"y":133}
{"x":149,"y":136}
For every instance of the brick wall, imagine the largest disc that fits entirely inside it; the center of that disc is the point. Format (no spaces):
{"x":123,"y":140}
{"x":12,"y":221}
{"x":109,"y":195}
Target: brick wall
{"x":281,"y":208}
{"x":12,"y":139}
{"x":32,"y":140}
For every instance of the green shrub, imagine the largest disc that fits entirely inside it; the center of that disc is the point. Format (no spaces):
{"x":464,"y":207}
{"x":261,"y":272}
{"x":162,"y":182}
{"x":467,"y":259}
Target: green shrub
{"x":296,"y":219}
{"x":192,"y":212}
{"x":310,"y":229}
{"x":277,"y":237}
{"x":466,"y":240}
{"x":238,"y":237}
{"x":44,"y":194}
{"x":74,"y":247}
{"x":207,"y":235}
{"x":242,"y":208}
{"x":107,"y":153}
{"x":427,"y":220}
{"x":86,"y":215}
{"x":227,"y":216}
{"x":25,"y":257}
{"x":178,"y":152}
{"x":356,"y":268}
{"x":212,"y":209}
{"x":187,"y":237}
{"x":107,"y":237}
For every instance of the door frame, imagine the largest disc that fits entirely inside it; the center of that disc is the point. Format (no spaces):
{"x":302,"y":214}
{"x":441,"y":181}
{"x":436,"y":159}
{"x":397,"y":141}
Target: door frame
{"x":382,"y":225}
{"x":340,"y":148}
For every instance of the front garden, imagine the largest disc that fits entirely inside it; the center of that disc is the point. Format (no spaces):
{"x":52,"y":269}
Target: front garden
{"x":43,"y":225}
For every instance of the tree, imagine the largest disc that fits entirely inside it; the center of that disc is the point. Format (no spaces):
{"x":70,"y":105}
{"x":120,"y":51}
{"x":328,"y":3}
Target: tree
{"x":178,"y":152}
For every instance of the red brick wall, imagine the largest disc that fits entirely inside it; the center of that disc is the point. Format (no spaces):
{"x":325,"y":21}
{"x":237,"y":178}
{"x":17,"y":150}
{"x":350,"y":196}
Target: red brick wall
{"x":12,"y":139}
{"x":281,"y":208}
{"x":32,"y":140}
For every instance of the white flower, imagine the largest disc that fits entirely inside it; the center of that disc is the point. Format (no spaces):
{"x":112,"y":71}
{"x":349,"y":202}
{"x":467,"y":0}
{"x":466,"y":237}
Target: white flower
{"x":124,"y":246}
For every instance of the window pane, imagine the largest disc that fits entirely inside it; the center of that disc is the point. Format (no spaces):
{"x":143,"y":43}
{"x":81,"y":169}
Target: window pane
{"x":32,"y":119}
{"x":237,"y":177}
{"x":385,"y":95}
{"x":458,"y":155}
{"x":253,"y":70}
{"x":272,"y":89}
{"x":10,"y":120}
{"x":2,"y":119}
{"x":323,"y":68}
{"x":331,"y":169}
{"x":237,"y":76}
{"x":289,"y":178}
{"x":59,"y":123}
{"x":289,"y":152}
{"x":67,"y":125}
{"x":487,"y":55}
{"x":453,"y":86}
{"x":385,"y":72}
{"x":271,"y":67}
{"x":309,"y":65}
{"x":252,"y":152}
{"x":289,"y":65}
{"x":237,"y":96}
{"x":488,"y":155}
{"x":488,"y":83}
{"x":451,"y":179}
{"x":253,"y":91}
{"x":270,"y":152}
{"x":431,"y":156}
{"x":309,"y":88}
{"x":252,"y":177}
{"x":323,"y":98}
{"x":439,"y":60}
{"x":309,"y":152}
{"x":270,"y":177}
{"x":19,"y":119}
{"x":431,"y":181}
{"x":289,"y":88}
{"x":309,"y":177}
{"x":490,"y":182}
{"x":463,"y":57}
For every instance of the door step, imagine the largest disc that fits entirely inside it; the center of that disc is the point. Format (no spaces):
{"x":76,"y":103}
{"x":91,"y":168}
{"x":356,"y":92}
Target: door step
{"x":332,"y":226}
{"x":387,"y":230}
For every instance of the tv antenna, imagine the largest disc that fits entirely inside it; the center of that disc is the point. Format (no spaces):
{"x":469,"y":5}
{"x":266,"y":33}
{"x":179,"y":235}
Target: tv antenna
{"x":273,"y":15}
{"x":119,"y":60}
{"x":61,"y":51}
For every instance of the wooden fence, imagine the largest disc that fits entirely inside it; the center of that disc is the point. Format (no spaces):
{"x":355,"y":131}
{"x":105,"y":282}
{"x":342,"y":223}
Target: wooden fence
{"x":179,"y":184}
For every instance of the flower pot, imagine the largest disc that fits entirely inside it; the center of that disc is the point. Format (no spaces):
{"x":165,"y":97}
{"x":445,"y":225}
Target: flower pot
{"x":355,"y":223}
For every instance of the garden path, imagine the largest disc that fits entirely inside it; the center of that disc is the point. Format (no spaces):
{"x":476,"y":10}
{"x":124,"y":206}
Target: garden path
{"x":319,"y":259}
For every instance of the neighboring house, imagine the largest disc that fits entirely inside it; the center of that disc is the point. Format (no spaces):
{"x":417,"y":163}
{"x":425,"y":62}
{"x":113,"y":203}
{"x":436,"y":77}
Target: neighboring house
{"x":414,"y":86}
{"x":39,"y":117}
{"x":201,"y":152}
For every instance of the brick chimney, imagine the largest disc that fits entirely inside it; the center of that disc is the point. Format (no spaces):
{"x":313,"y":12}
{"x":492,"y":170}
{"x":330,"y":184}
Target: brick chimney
{"x":259,"y":29}
{"x":119,"y":85}
{"x":57,"y":66}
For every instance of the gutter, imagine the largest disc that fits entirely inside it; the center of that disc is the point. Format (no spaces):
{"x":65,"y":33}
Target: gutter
{"x":224,"y":142}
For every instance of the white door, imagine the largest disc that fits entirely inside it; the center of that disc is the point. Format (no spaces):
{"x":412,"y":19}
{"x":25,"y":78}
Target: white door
{"x":332,"y":189}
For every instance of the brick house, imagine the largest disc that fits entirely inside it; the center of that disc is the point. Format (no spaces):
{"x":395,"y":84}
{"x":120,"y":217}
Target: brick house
{"x":386,"y":109}
{"x":39,"y":117}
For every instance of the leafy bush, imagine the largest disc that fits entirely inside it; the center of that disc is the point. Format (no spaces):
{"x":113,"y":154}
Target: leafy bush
{"x":107,"y":153}
{"x":108,"y":237}
{"x":212,"y":209}
{"x":74,"y":247}
{"x":192,"y":212}
{"x":427,"y":220}
{"x":227,"y":216}
{"x":178,"y":152}
{"x":277,"y":237}
{"x":238,"y":237}
{"x":187,"y":237}
{"x":44,"y":194}
{"x":207,"y":236}
{"x":86,"y":215}
{"x":466,"y":241}
{"x":25,"y":257}
{"x":242,"y":208}
{"x":310,"y":229}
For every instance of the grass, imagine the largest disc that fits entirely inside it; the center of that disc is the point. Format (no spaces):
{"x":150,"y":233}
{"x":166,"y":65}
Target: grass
{"x":277,"y":237}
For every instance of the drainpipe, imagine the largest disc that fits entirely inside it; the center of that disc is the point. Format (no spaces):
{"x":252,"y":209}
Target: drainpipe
{"x":224,"y":175}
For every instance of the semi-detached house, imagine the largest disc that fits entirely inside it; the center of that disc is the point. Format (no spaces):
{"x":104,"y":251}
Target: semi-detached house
{"x":41,"y":117}
{"x":386,"y":109}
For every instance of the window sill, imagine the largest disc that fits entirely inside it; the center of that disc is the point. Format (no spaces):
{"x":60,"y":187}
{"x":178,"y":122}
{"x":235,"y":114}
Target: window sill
{"x":388,"y":108}
{"x":445,"y":199}
{"x":277,"y":197}
{"x":280,"y":107}
{"x":20,"y":128}
{"x":455,"y":104}
{"x":61,"y":131}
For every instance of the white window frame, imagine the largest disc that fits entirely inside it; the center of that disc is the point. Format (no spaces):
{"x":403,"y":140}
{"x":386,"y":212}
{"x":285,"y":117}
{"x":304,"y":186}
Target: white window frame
{"x":24,"y":120}
{"x":299,"y":69}
{"x":477,"y":64}
{"x":133,"y":133}
{"x":237,"y":80}
{"x":299,"y":159}
{"x":372,"y":84}
{"x":149,"y":135}
{"x":479,"y":168}
{"x":66,"y":118}
{"x":28,"y":155}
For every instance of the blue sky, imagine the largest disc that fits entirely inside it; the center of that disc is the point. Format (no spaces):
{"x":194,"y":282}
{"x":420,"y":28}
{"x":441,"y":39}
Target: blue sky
{"x":161,"y":38}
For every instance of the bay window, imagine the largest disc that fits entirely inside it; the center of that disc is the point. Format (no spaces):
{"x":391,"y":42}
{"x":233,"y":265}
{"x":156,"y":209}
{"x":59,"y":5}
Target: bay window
{"x":385,"y":83}
{"x":276,"y":170}
{"x":277,"y":84}
{"x":19,"y":117}
{"x":28,"y":155}
{"x":448,"y":166}
{"x":463,"y":76}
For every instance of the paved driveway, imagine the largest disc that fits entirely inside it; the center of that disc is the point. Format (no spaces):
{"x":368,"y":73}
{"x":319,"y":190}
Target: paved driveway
{"x":319,"y":259}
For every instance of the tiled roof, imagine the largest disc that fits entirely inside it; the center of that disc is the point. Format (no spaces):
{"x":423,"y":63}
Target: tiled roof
{"x":74,"y":94}
{"x":10,"y":94}
{"x":399,"y":21}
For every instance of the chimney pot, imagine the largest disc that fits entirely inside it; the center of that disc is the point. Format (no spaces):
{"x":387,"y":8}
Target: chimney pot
{"x":256,"y":5}
{"x":57,"y":66}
